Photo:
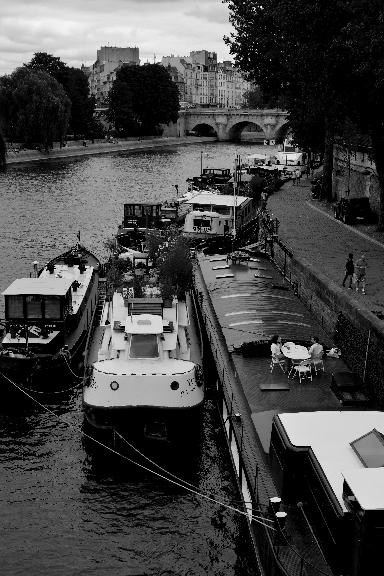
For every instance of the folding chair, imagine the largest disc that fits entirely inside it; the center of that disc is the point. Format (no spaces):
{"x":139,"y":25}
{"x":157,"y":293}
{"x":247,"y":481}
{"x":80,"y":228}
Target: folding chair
{"x":276,"y":362}
{"x":303,"y":370}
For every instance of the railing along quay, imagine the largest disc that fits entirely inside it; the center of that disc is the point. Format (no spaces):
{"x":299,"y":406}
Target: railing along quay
{"x":275,"y":555}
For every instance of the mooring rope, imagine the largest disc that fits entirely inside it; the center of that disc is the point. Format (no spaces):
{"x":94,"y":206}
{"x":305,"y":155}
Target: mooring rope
{"x":185,"y":486}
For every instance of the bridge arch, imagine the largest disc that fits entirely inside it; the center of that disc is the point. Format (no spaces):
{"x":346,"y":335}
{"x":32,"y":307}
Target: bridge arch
{"x":204,"y":129}
{"x":228,"y":124}
{"x":282,"y":132}
{"x":234,"y":132}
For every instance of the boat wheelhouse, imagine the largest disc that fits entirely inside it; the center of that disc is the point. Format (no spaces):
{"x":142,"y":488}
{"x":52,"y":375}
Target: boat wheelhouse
{"x":213,"y":215}
{"x":47,"y":319}
{"x":139,"y":217}
{"x":140,"y":375}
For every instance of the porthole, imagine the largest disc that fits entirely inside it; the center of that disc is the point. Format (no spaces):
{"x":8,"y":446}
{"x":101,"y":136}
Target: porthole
{"x":114,"y":385}
{"x":174,"y":385}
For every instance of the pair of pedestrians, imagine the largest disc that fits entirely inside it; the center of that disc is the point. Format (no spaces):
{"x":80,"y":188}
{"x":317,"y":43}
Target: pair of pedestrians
{"x":296,"y":177}
{"x":356,"y":272}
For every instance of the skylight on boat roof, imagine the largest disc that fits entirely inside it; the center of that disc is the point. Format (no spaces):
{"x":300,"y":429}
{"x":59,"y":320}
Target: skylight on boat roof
{"x":370,"y":449}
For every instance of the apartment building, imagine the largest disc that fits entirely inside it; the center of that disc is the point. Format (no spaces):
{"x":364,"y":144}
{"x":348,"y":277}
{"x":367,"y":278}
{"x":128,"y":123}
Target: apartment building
{"x":102,"y":73}
{"x":207,"y":82}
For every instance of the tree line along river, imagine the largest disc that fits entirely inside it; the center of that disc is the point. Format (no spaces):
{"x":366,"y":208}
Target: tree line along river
{"x":67,"y":509}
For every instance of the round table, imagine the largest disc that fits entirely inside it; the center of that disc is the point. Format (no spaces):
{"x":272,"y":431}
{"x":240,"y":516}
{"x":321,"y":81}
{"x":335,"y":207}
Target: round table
{"x":296,"y":352}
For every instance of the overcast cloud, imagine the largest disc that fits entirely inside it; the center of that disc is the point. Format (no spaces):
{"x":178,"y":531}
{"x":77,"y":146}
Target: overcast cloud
{"x":75,"y":29}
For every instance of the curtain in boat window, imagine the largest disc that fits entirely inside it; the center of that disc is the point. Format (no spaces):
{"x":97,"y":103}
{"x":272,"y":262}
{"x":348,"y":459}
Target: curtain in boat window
{"x":15,"y":307}
{"x":52,"y":307}
{"x":34,"y":306}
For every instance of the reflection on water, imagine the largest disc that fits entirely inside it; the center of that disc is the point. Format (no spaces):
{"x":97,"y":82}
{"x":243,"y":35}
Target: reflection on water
{"x":68,"y":509}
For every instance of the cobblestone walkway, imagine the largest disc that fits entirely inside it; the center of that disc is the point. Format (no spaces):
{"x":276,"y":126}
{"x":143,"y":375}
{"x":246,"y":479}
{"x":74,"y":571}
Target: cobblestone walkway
{"x":309,"y":229}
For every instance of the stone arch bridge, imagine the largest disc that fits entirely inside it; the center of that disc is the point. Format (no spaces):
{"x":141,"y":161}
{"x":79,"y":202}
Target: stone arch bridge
{"x":229,"y":123}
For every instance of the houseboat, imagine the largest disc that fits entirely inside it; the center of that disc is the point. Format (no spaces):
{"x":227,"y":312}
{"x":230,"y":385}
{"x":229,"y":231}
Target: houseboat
{"x":140,"y":377}
{"x":47,"y":318}
{"x":217,"y":215}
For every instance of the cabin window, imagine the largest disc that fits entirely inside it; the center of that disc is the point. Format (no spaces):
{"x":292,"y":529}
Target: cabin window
{"x":52,"y":307}
{"x":200,"y":223}
{"x":144,"y":346}
{"x":34,"y":306}
{"x":15,"y":307}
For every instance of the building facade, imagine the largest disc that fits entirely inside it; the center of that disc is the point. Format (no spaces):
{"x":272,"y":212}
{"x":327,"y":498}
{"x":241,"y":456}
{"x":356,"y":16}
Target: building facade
{"x":102,"y":73}
{"x":207,"y":82}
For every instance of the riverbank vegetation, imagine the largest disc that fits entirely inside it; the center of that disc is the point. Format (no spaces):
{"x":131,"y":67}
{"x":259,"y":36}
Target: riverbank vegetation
{"x":44,"y":100}
{"x":34,"y":107}
{"x":322,"y":62}
{"x":142,"y":98}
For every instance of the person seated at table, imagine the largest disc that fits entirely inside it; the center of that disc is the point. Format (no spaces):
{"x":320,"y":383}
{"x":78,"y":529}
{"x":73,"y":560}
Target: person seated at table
{"x":316,"y":350}
{"x":276,"y":351}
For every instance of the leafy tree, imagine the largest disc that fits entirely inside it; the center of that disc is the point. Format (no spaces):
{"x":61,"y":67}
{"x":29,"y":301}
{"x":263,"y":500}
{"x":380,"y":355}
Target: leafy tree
{"x":3,"y":153}
{"x":142,"y":98}
{"x":46,"y":62}
{"x":120,"y":111}
{"x":255,"y":99}
{"x":362,"y":39}
{"x":288,"y":48}
{"x":175,"y":266}
{"x":35,"y":107}
{"x":75,"y":83}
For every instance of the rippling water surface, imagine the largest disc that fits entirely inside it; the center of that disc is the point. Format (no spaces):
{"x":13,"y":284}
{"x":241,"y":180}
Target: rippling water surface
{"x":67,"y":508}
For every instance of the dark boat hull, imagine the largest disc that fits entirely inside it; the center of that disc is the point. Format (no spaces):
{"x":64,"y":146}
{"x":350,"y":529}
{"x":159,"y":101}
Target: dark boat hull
{"x":54,"y":373}
{"x":141,"y":424}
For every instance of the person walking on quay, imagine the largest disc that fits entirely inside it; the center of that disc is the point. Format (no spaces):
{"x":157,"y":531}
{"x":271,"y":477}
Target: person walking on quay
{"x":297,"y":176}
{"x":361,"y":272}
{"x":349,"y":271}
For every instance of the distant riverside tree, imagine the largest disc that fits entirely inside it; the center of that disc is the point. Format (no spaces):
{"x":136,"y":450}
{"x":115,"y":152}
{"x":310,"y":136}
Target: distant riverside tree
{"x":254,"y":99}
{"x":75,"y":84}
{"x":288,"y":48}
{"x":325,"y":60}
{"x":34,"y":107}
{"x":141,"y":99}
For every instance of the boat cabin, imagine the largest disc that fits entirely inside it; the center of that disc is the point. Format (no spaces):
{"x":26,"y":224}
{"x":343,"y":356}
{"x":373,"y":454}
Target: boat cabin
{"x":142,"y":215}
{"x":41,"y":310}
{"x":214,"y":214}
{"x":38,"y":299}
{"x":333,"y":462}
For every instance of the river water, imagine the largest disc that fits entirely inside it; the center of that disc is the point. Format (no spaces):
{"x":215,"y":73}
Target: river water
{"x":67,"y":508}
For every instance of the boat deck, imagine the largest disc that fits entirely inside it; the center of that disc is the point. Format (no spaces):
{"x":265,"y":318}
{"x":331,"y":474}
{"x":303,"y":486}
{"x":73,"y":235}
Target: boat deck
{"x":252,"y":303}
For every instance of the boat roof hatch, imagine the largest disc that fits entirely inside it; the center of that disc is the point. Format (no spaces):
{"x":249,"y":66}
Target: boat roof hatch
{"x":42,"y":286}
{"x":144,"y":324}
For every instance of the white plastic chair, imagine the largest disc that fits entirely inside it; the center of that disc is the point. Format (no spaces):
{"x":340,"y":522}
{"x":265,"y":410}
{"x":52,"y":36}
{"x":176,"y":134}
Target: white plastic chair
{"x":293,"y":365}
{"x":303,"y":370}
{"x":275,"y":361}
{"x":318,"y":364}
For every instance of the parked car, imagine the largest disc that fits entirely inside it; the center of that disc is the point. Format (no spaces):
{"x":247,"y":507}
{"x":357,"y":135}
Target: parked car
{"x":352,"y":210}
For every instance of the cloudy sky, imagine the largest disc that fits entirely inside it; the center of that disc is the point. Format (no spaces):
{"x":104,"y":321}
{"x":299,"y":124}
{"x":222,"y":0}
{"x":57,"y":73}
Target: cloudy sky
{"x":75,"y":29}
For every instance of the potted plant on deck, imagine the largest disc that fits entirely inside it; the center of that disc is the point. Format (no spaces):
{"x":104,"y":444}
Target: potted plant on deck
{"x":167,"y":292}
{"x":175,"y":267}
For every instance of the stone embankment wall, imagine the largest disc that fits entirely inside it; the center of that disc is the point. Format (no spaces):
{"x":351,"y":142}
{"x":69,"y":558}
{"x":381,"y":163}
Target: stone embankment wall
{"x":354,"y":176}
{"x":76,"y":148}
{"x":358,"y":332}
